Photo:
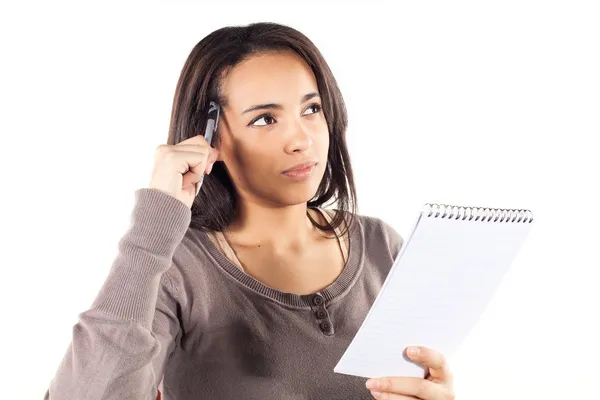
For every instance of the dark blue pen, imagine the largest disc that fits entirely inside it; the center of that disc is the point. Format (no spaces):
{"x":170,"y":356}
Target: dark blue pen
{"x":211,"y":128}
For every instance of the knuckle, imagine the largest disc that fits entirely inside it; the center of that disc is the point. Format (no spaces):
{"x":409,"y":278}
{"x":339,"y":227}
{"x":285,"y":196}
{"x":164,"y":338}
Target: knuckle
{"x":422,"y":389}
{"x":168,"y":155}
{"x":442,"y":358}
{"x":446,"y":371}
{"x":443,"y":364}
{"x":162,"y":149}
{"x":450,"y":395}
{"x":197,"y":140}
{"x":385,"y":384}
{"x":204,"y":151}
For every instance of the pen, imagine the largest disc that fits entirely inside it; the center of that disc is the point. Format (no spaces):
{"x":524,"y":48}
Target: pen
{"x":211,"y":128}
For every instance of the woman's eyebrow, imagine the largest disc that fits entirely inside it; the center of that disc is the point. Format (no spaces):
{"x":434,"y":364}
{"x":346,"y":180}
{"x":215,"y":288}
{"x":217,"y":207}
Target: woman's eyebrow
{"x":269,"y":106}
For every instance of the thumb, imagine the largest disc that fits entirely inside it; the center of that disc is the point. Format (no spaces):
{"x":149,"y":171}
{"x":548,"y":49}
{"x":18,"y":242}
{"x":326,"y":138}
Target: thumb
{"x":212,"y":158}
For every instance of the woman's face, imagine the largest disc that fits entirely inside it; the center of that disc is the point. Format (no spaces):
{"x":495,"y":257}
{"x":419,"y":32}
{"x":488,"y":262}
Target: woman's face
{"x":264,"y":149}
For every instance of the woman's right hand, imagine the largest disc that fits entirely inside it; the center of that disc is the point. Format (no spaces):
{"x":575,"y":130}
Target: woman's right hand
{"x":177,"y":168}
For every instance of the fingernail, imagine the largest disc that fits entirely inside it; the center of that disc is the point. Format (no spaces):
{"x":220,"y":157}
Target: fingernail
{"x":376,"y":394}
{"x":372,"y":384}
{"x":413,"y":351}
{"x":209,"y":168}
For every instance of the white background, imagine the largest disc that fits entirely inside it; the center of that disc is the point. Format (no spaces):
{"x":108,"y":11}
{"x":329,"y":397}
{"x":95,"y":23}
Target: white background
{"x":479,"y":103}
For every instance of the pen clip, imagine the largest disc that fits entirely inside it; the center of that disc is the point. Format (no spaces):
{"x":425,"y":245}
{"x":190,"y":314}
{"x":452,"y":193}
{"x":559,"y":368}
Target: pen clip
{"x":214,"y":112}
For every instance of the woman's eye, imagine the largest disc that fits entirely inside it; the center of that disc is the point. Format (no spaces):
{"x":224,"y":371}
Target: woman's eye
{"x":265,"y":117}
{"x":315,"y":105}
{"x":270,"y":117}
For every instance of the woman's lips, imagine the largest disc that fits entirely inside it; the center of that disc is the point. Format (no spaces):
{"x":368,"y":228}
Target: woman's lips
{"x":301,"y":170}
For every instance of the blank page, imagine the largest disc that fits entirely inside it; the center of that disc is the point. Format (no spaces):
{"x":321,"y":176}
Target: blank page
{"x":441,"y":282}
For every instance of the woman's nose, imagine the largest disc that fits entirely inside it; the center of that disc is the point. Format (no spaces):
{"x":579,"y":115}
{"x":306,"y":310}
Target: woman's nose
{"x":300,"y":140}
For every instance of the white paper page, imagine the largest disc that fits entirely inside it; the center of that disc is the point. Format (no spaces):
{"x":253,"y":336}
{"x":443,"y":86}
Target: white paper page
{"x":438,"y":287}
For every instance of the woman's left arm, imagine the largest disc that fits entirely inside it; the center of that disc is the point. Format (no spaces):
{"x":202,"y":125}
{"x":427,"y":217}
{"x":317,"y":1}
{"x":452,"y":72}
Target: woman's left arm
{"x":437,"y":385}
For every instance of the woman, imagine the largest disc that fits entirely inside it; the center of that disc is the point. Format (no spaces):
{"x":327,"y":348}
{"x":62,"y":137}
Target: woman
{"x":250,"y":289}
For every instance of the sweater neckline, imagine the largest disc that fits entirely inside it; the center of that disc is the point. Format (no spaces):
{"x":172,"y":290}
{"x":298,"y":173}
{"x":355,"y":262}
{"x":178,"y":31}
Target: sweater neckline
{"x":343,"y":282}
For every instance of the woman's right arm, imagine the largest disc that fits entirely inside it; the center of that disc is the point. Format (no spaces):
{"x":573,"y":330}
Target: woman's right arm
{"x":120,"y":345}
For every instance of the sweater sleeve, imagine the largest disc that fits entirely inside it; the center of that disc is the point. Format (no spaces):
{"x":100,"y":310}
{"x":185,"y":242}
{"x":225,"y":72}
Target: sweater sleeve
{"x":120,"y":345}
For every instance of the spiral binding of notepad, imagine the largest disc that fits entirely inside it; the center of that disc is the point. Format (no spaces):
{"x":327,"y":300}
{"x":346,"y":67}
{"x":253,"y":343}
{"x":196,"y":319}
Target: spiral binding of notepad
{"x":483,"y":214}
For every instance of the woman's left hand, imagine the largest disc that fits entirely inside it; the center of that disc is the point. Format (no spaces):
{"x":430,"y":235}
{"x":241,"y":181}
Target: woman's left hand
{"x":437,"y":384}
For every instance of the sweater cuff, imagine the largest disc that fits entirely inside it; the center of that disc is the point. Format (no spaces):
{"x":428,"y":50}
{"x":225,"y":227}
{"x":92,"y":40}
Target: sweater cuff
{"x":158,"y":222}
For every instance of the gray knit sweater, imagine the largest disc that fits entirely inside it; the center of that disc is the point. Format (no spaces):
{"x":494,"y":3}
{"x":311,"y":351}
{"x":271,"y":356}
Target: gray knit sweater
{"x":175,"y":310}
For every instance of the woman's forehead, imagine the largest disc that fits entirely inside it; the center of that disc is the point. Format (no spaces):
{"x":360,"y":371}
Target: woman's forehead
{"x":270,"y":78}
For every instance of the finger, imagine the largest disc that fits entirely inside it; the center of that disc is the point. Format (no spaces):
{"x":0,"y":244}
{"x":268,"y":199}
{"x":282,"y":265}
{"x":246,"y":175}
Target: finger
{"x":212,"y":158}
{"x":190,"y":178}
{"x":391,"y":396}
{"x":198,"y":139}
{"x":211,"y":152}
{"x":192,"y":147}
{"x":206,"y":151}
{"x":184,"y":161}
{"x":417,"y":387}
{"x":433,"y":360}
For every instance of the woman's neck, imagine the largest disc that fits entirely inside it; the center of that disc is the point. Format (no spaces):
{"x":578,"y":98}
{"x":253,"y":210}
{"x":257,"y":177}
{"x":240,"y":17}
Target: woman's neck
{"x":279,"y":228}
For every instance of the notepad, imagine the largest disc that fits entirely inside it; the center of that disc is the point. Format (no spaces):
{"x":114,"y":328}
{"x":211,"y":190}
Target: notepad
{"x":442,"y":280}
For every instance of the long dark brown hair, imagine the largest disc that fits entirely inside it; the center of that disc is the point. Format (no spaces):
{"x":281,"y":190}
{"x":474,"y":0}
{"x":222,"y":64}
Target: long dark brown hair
{"x":201,"y":81}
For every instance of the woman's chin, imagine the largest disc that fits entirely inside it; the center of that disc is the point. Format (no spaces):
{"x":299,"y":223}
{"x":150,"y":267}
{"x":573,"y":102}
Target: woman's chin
{"x":300,"y":194}
{"x":289,"y":192}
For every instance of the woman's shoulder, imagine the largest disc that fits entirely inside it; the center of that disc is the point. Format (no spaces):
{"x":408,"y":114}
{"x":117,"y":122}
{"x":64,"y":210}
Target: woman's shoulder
{"x":374,"y":230}
{"x":369,"y":222}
